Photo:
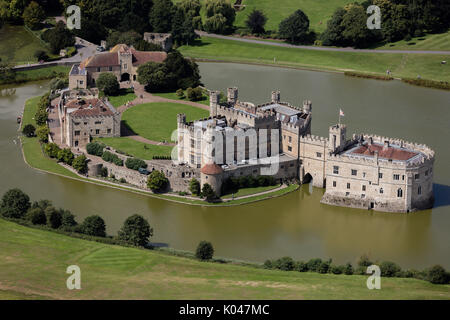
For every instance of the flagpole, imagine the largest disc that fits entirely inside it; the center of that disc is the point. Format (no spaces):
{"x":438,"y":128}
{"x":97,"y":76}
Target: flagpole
{"x":339,"y":117}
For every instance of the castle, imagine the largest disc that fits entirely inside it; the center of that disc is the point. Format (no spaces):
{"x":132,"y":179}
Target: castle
{"x":274,"y":138}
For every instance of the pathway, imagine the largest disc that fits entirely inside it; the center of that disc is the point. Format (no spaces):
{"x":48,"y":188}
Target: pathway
{"x":286,"y":45}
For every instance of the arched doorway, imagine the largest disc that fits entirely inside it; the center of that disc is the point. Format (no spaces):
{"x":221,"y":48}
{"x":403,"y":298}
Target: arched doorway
{"x":307,"y":178}
{"x":125,"y":77}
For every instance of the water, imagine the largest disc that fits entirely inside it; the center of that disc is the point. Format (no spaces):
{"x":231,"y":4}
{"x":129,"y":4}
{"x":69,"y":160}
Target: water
{"x":296,"y":224}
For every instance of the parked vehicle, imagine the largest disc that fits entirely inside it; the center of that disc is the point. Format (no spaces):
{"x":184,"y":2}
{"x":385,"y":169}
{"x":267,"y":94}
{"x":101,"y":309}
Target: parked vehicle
{"x":143,"y":171}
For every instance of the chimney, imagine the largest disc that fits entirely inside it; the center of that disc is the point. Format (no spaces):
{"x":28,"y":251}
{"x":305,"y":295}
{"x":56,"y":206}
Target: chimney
{"x":386,"y":145}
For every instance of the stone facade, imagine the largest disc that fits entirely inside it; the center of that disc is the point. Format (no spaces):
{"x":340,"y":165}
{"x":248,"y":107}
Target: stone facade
{"x":164,"y":40}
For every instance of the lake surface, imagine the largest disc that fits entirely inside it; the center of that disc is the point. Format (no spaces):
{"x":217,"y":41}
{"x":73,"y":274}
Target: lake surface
{"x":297,"y":224}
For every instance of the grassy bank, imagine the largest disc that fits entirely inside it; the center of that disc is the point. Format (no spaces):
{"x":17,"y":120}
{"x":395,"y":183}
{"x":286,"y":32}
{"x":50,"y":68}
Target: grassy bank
{"x":39,"y":74}
{"x":401,"y":65}
{"x":173,"y":96}
{"x":125,"y":95}
{"x":439,"y":41}
{"x":138,"y":149}
{"x":114,"y":272}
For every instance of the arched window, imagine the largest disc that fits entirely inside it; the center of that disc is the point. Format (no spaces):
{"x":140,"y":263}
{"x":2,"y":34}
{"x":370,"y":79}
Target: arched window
{"x":381,"y":190}
{"x":419,"y":190}
{"x":399,"y":193}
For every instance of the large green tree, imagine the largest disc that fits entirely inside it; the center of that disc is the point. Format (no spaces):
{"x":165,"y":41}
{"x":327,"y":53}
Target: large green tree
{"x":94,"y":226}
{"x":161,"y":15}
{"x":136,"y":231}
{"x":80,"y":164}
{"x":157,"y":181}
{"x":59,"y":37}
{"x":220,"y":16}
{"x":295,"y":28}
{"x":15,"y":203}
{"x":33,"y":15}
{"x":256,"y":21}
{"x":108,"y":83}
{"x":333,"y":34}
{"x":355,"y":29}
{"x":183,"y":31}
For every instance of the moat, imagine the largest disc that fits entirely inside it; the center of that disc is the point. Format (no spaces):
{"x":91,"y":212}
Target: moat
{"x":297,"y":224}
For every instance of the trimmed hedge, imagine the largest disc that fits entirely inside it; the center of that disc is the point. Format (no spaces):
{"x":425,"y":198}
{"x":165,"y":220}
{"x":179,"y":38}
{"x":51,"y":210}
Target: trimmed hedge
{"x":428,"y":83}
{"x":113,"y":158}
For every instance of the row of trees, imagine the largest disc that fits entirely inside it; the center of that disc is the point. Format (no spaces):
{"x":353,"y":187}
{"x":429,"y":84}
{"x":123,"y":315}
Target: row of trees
{"x":436,"y":274}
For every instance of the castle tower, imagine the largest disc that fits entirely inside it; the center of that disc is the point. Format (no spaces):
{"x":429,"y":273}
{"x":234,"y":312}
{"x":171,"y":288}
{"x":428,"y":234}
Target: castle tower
{"x":232,"y":95}
{"x":214,"y":99}
{"x":276,"y":96}
{"x":307,"y":106}
{"x":337,"y":139}
{"x":181,"y":121}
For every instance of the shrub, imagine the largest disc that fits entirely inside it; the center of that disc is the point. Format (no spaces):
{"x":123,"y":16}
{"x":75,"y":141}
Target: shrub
{"x":41,"y":117}
{"x":389,"y":269}
{"x":268,"y":264}
{"x":104,"y":172}
{"x":205,"y":251}
{"x":94,"y":226}
{"x":301,"y":266}
{"x":334,"y":269}
{"x":95,"y":148}
{"x":135,"y":163}
{"x":29,"y":130}
{"x":51,"y":150}
{"x":437,"y":275}
{"x":54,"y":218}
{"x":67,"y":219}
{"x":180,"y":93}
{"x":324,"y":267}
{"x":314,"y":264}
{"x":15,"y":203}
{"x":57,"y":84}
{"x":113,"y":158}
{"x":285,"y":264}
{"x":41,"y":55}
{"x":364,"y":261}
{"x":360,"y":270}
{"x":194,"y":186}
{"x":348,"y":269}
{"x":42,"y":133}
{"x":122,"y":180}
{"x":208,"y":193}
{"x":36,"y":216}
{"x":80,"y":164}
{"x":66,"y":155}
{"x":157,"y":181}
{"x":135,"y":230}
{"x":194,"y":94}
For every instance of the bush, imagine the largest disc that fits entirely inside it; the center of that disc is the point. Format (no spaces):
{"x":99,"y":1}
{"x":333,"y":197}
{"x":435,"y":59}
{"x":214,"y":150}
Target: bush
{"x":108,"y":84}
{"x":301,"y":266}
{"x":285,"y":264}
{"x":348,"y":269}
{"x":29,"y":130}
{"x":94,"y":226}
{"x":157,"y":181}
{"x":364,"y":261}
{"x":268,"y":264}
{"x":80,"y":164}
{"x":194,"y":187}
{"x":54,"y":218}
{"x":136,"y":231}
{"x":51,"y":150}
{"x":41,"y":55}
{"x":194,"y":94}
{"x":437,"y":275}
{"x":122,"y":180}
{"x":15,"y":203}
{"x":205,"y":251}
{"x":314,"y":264}
{"x":113,"y":158}
{"x":135,"y":163}
{"x":324,"y":267}
{"x":389,"y":269}
{"x":95,"y":148}
{"x":180,"y":93}
{"x":41,"y":117}
{"x":42,"y":133}
{"x":67,"y":219}
{"x":334,"y":269}
{"x":66,"y":155}
{"x":208,"y":193}
{"x":36,"y":216}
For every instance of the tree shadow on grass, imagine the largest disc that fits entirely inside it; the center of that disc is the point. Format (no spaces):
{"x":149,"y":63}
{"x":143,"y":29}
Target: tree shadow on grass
{"x":125,"y":129}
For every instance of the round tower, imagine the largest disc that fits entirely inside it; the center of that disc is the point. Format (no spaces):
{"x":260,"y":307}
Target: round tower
{"x":213,"y":175}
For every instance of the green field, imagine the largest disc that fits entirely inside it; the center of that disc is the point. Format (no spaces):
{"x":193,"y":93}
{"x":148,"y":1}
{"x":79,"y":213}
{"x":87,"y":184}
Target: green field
{"x":401,"y":65}
{"x":18,"y":45}
{"x":173,"y":96}
{"x":247,"y":191}
{"x":138,"y":149}
{"x":33,"y":266}
{"x":156,"y":121}
{"x":125,"y":95}
{"x":428,"y":42}
{"x":318,"y":11}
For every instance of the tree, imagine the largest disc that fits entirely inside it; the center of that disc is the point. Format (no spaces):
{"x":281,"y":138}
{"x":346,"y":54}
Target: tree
{"x":59,"y":37}
{"x":135,"y":163}
{"x":80,"y":164}
{"x":208,"y":192}
{"x":348,"y":269}
{"x":33,"y":15}
{"x":437,"y":275}
{"x":220,"y":16}
{"x":295,"y":27}
{"x":354,"y":25}
{"x":191,"y":10}
{"x":67,"y":219}
{"x":194,"y":187}
{"x":157,"y":181}
{"x":52,"y":150}
{"x":333,"y":34}
{"x":42,"y":133}
{"x":256,"y":21}
{"x":36,"y":216}
{"x":107,"y":82}
{"x":389,"y":269}
{"x":314,"y":264}
{"x":58,"y":84}
{"x":136,"y":231}
{"x":183,"y":31}
{"x":94,"y":226}
{"x":205,"y":251}
{"x":42,"y":204}
{"x":324,"y":267}
{"x":285,"y":264}
{"x":41,"y":117}
{"x":194,"y":94}
{"x":7,"y":73}
{"x":15,"y":203}
{"x":95,"y":148}
{"x":161,"y":15}
{"x":29,"y":130}
{"x":54,"y":218}
{"x":66,"y":155}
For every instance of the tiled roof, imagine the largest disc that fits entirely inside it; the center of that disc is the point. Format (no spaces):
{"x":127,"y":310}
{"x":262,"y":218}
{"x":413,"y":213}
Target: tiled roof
{"x":141,"y":57}
{"x":394,"y":153}
{"x":211,"y":169}
{"x":89,"y":108}
{"x":107,"y":59}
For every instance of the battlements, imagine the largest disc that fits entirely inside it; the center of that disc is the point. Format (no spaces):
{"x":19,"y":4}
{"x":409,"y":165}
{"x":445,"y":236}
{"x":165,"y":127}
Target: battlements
{"x":313,"y":139}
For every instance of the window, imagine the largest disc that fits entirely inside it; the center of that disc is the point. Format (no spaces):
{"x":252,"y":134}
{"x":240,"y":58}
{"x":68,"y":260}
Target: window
{"x":363,"y":188}
{"x":76,"y":143}
{"x":380,"y":175}
{"x":403,"y":177}
{"x":192,"y":158}
{"x":347,"y":193}
{"x":98,"y":69}
{"x":289,"y":148}
{"x":396,"y":177}
{"x":192,"y":143}
{"x":110,"y":68}
{"x":81,"y":81}
{"x":426,"y":173}
{"x":354,"y":172}
{"x":334,"y":183}
{"x":291,"y":165}
{"x":381,"y":190}
{"x":125,"y":66}
{"x":290,"y":139}
{"x":76,"y":123}
{"x":335,"y":169}
{"x":284,"y":137}
{"x":417,"y":176}
{"x":109,"y":130}
{"x":319,"y":155}
{"x":348,"y":185}
{"x":364,"y":174}
{"x":419,"y":190}
{"x":399,"y":193}
{"x":85,"y":123}
{"x":97,"y":131}
{"x":98,"y":122}
{"x":77,"y":133}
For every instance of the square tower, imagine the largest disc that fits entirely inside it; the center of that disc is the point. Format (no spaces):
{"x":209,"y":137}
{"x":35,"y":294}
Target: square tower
{"x":337,"y":139}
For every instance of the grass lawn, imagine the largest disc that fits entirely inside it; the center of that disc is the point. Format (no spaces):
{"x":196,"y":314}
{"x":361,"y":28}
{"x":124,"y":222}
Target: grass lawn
{"x":123,"y":97}
{"x":156,"y":121}
{"x":428,"y":42}
{"x":31,"y":147}
{"x":247,"y":191}
{"x":43,"y":73}
{"x":401,"y":65}
{"x":173,"y":96}
{"x":114,"y":272}
{"x":18,"y":45}
{"x":138,"y":149}
{"x":316,"y":10}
